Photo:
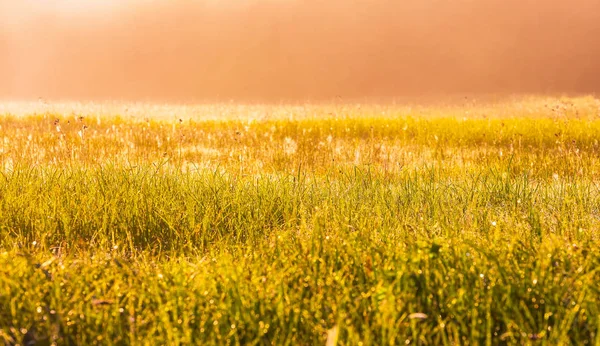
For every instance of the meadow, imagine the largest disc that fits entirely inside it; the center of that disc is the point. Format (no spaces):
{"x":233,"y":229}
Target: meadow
{"x":346,"y":224}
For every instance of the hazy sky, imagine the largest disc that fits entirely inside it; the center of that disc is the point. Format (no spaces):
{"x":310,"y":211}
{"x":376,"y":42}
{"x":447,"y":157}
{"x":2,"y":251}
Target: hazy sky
{"x":272,"y":50}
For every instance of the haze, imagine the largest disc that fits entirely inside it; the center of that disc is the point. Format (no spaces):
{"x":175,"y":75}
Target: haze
{"x":295,"y":50}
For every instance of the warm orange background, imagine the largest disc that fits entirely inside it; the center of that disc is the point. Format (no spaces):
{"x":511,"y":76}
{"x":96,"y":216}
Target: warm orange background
{"x":274,"y":50}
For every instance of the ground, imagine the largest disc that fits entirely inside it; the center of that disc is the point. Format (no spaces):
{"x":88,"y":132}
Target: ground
{"x":373,"y":224}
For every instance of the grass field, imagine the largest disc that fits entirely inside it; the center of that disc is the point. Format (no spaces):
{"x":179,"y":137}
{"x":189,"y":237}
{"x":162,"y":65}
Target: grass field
{"x":301,"y":225}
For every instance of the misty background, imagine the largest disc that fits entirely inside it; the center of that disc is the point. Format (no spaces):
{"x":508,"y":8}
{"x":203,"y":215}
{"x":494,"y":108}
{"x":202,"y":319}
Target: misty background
{"x":269,"y":50}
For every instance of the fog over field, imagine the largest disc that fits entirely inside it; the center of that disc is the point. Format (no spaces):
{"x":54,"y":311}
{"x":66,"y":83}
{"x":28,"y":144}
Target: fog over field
{"x":188,"y":51}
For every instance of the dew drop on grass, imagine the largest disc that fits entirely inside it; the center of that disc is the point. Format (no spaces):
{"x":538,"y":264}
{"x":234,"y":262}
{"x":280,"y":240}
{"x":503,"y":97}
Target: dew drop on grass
{"x":417,"y":316}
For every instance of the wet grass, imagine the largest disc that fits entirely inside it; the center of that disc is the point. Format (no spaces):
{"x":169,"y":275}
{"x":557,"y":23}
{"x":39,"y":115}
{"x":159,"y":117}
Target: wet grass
{"x":364,"y":224}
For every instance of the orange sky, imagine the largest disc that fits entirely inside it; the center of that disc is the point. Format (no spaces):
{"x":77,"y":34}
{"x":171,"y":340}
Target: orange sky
{"x":271,"y":50}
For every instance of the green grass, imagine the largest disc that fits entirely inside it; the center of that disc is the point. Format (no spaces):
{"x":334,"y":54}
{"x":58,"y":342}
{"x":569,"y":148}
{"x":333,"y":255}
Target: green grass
{"x":285,"y":229}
